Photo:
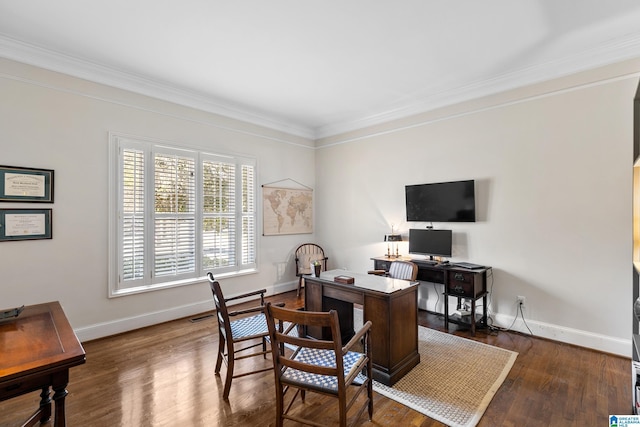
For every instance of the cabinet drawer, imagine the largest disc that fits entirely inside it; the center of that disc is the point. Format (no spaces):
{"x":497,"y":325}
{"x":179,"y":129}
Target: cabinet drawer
{"x":465,"y":284}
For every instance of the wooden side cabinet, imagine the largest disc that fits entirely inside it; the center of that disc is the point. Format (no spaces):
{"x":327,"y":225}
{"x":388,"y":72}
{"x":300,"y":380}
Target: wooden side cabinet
{"x":458,"y":282}
{"x":470,"y":285}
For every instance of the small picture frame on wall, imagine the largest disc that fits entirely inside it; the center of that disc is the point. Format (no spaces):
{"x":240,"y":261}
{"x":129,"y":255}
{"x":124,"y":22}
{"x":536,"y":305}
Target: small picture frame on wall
{"x":18,"y":184}
{"x":25,"y":224}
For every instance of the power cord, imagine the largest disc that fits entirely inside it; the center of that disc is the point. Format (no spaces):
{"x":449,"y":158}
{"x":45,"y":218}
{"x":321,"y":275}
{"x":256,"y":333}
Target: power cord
{"x":519,"y":312}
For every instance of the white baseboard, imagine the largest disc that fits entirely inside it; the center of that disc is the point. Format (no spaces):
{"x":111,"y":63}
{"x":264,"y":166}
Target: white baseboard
{"x":607,"y":344}
{"x":604,"y":343}
{"x":117,"y":326}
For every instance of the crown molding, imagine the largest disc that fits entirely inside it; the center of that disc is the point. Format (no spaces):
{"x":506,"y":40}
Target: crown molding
{"x":59,"y":62}
{"x":615,"y":50}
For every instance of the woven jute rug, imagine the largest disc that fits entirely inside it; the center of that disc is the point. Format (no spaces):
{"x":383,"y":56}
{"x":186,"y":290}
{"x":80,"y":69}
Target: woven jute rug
{"x":455,"y":379}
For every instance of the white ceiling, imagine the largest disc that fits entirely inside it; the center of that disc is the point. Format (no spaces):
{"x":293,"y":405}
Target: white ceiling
{"x":319,"y":67}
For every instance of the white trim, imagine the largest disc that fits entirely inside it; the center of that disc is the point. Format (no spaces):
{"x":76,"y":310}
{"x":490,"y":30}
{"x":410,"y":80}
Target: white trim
{"x":612,"y":51}
{"x":118,"y":326}
{"x":604,"y":343}
{"x":78,"y":67}
{"x":617,"y":50}
{"x":393,"y":129}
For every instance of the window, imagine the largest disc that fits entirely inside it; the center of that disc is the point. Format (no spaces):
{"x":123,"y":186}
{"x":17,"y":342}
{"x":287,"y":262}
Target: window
{"x":177,"y":214}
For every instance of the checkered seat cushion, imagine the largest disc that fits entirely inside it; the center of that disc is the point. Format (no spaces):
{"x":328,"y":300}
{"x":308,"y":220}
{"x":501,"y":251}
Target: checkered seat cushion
{"x":320,"y":357}
{"x":249,"y":326}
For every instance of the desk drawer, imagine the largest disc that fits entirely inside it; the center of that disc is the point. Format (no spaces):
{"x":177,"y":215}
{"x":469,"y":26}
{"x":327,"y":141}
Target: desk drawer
{"x":21,"y":386}
{"x":344,"y":295}
{"x":465,"y":284}
{"x":381,"y":265}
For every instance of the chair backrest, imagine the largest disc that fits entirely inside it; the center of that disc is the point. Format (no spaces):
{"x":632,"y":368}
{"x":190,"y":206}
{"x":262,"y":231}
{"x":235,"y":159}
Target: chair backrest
{"x":306,"y":254}
{"x":221,"y":306}
{"x":405,"y":270}
{"x":302,"y":319}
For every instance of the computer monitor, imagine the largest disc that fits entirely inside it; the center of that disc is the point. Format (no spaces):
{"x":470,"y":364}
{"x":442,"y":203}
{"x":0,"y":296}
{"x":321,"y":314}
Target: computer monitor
{"x":430,"y":242}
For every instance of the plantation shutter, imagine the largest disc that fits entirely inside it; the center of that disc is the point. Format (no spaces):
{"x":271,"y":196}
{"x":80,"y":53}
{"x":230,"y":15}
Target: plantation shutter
{"x":177,"y":214}
{"x":132,"y":166}
{"x":228,"y":214}
{"x":248,"y":246}
{"x":174,"y":215}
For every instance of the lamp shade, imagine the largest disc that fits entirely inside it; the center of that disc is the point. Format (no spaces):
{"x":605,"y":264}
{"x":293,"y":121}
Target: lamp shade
{"x":393,"y":238}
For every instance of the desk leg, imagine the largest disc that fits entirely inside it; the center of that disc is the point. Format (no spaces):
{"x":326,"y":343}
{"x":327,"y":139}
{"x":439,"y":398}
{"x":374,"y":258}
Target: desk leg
{"x":60,"y":382}
{"x":446,"y":312}
{"x":45,"y":405}
{"x":484,"y":311}
{"x":473,"y":317}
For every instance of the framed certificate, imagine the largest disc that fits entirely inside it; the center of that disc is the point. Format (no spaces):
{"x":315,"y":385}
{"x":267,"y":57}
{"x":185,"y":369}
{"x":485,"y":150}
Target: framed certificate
{"x":25,"y":224}
{"x":18,"y":184}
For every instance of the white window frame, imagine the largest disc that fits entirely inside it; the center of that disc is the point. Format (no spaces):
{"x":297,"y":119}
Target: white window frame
{"x":117,"y":285}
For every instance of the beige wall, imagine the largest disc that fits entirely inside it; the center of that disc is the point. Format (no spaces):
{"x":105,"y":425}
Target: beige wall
{"x":52,"y":121}
{"x":552,"y":165}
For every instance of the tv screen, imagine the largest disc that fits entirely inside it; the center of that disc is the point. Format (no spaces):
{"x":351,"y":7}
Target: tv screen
{"x":441,"y":202}
{"x":430,"y":242}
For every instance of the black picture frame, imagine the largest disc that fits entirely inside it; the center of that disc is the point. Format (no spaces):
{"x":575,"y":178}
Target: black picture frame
{"x":30,"y":185}
{"x":25,"y":224}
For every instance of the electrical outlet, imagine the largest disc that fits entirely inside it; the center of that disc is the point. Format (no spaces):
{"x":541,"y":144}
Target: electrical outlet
{"x":521,"y":300}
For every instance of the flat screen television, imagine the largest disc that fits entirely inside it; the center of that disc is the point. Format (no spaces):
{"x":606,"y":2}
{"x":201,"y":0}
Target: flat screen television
{"x":441,"y":202}
{"x":430,"y":242}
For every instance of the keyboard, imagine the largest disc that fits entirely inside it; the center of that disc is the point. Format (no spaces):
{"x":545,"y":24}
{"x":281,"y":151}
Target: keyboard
{"x":468,"y":265}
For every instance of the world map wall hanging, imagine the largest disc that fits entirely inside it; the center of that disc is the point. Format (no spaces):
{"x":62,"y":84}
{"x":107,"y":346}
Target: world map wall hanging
{"x":286,"y":210}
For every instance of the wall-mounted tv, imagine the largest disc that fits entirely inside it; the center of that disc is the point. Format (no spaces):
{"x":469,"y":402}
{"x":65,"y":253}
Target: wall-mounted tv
{"x":441,"y":202}
{"x":430,"y":242}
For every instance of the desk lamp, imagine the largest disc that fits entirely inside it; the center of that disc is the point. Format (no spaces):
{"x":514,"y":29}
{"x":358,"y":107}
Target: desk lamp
{"x":393,"y":238}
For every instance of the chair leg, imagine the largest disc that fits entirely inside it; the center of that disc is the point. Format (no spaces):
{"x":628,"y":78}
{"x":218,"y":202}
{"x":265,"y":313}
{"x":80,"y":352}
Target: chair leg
{"x":299,"y":285}
{"x":279,"y":405}
{"x":264,"y":347}
{"x":342,"y":405}
{"x":221,"y":345}
{"x":370,"y":395}
{"x":229,"y":376}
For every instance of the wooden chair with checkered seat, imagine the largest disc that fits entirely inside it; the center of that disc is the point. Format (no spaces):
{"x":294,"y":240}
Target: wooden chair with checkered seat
{"x":248,"y":331}
{"x":319,"y":366}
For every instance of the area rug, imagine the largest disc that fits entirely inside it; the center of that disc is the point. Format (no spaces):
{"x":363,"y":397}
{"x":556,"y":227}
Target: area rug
{"x":455,"y":379}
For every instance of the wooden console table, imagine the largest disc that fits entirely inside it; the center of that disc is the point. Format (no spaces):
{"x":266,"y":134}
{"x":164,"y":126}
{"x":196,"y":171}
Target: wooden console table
{"x":38,"y":348}
{"x":390,"y":304}
{"x":458,"y":282}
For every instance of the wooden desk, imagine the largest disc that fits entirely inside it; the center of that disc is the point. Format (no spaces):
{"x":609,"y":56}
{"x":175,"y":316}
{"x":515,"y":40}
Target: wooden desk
{"x":390,"y":304}
{"x":38,"y":348}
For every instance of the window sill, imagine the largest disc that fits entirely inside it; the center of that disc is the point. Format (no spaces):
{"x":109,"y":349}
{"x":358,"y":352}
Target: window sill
{"x":115,"y":293}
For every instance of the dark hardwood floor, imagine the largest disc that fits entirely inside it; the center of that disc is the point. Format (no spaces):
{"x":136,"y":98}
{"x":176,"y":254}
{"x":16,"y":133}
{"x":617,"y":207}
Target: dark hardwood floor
{"x":163,"y":376}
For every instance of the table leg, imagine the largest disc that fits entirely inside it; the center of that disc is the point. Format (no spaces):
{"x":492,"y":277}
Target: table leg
{"x":45,"y":405}
{"x":58,"y":398}
{"x":59,"y":386}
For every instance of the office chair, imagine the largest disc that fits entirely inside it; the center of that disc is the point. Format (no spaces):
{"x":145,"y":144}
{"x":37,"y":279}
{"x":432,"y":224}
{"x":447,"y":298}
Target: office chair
{"x":405,"y":270}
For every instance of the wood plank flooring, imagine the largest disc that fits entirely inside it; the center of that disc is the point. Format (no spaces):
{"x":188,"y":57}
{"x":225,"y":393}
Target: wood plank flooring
{"x":163,"y":376}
